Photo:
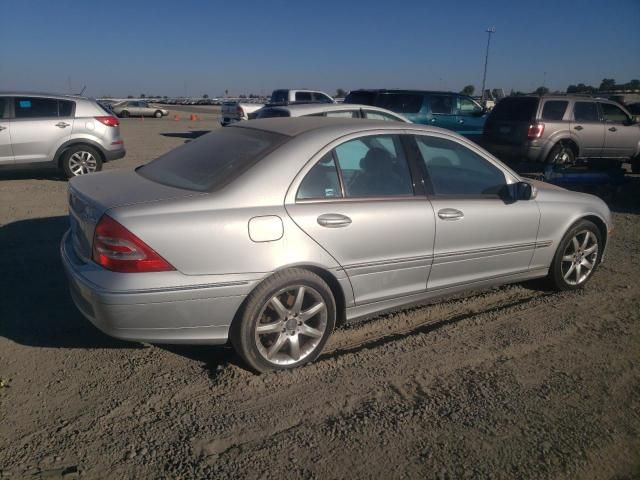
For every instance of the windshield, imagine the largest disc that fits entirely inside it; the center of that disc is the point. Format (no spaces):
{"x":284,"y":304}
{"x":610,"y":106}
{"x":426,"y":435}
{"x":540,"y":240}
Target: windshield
{"x":212,"y":161}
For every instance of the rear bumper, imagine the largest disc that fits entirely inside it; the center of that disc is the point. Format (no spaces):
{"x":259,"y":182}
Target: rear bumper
{"x":114,"y":154}
{"x":198,"y":314}
{"x":527,"y":151}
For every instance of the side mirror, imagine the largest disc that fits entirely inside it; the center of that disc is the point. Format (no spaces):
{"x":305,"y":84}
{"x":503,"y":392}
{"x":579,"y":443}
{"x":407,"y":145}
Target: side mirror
{"x":522,"y":191}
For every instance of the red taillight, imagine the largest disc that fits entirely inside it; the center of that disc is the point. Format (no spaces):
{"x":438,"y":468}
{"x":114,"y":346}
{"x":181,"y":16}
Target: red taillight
{"x":109,"y":121}
{"x":116,"y":248}
{"x":535,"y":131}
{"x":240,"y":111}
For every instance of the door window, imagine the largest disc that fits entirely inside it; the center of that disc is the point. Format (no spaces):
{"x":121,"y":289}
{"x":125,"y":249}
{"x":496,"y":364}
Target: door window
{"x":469,"y":107}
{"x":613,"y":114}
{"x":322,"y":181}
{"x":453,"y":169}
{"x":586,"y":112}
{"x":400,"y":102}
{"x":374,"y":166}
{"x":303,"y":96}
{"x":321,"y":98}
{"x":380,"y":116}
{"x":343,"y":114}
{"x":554,"y":109}
{"x":35,"y":107}
{"x":442,"y":104}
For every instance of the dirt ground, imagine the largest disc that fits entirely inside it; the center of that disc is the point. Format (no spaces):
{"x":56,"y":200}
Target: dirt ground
{"x":512,"y":382}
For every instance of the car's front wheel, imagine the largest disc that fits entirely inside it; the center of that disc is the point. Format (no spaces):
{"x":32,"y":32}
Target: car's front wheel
{"x":124,"y":114}
{"x":577,"y":256}
{"x":285,"y":321}
{"x":81,"y":160}
{"x":158,"y":114}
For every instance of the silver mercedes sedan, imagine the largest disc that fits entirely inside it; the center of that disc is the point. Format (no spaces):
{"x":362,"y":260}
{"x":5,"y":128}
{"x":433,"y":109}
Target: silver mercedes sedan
{"x":271,"y":232}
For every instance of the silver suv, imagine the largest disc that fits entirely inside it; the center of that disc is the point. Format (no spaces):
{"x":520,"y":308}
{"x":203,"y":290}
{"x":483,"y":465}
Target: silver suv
{"x":72,"y":133}
{"x":559,"y":129}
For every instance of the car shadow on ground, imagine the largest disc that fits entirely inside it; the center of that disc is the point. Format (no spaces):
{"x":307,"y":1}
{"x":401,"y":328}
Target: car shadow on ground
{"x":36,"y":308}
{"x":188,"y":135}
{"x":44,"y":173}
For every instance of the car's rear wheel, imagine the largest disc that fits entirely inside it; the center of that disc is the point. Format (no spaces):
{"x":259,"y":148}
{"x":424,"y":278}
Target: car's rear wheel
{"x":577,"y":256}
{"x":124,"y":114}
{"x":285,"y":321}
{"x":561,"y":154}
{"x":158,"y":114}
{"x":81,"y":160}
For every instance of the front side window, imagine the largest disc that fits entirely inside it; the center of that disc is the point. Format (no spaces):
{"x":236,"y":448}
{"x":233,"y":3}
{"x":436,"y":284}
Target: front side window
{"x":453,"y":169}
{"x":468,"y":107}
{"x":613,"y":114}
{"x":322,"y":181}
{"x":35,"y":107}
{"x":321,"y":98}
{"x":554,"y":109}
{"x":586,"y":112}
{"x":374,"y":166}
{"x":442,"y":104}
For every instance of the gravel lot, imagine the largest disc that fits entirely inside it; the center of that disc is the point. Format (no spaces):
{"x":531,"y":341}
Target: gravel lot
{"x":514,"y":382}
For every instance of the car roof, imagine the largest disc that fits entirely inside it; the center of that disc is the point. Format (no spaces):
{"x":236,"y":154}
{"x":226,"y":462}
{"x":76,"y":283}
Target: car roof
{"x":308,"y":108}
{"x":403,"y":90}
{"x":43,"y":94}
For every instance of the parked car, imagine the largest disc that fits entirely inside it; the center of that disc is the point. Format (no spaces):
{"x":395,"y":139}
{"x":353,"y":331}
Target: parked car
{"x":558,"y":129}
{"x":329,"y":110}
{"x":271,"y":231}
{"x":72,"y":133}
{"x":138,"y":108}
{"x":234,"y":111}
{"x":449,"y":110}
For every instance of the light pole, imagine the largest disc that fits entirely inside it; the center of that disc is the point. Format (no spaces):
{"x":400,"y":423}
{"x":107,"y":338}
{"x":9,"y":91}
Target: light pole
{"x":486,"y":58}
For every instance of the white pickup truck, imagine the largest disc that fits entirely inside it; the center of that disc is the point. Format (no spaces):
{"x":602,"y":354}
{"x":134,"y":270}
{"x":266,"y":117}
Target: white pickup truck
{"x":236,"y":111}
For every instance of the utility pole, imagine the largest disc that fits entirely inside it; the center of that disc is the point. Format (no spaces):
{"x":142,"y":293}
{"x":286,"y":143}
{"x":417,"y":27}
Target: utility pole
{"x":486,"y":59}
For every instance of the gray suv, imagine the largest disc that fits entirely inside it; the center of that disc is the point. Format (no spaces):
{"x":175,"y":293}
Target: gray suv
{"x":559,"y":129}
{"x":72,"y":133}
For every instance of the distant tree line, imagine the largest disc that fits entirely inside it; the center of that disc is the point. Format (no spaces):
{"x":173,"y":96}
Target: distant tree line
{"x":607,"y":85}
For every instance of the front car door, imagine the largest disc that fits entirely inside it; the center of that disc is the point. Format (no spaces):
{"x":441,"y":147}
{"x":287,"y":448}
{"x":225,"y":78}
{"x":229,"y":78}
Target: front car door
{"x":360,"y":203}
{"x":621,"y":135}
{"x":443,"y":109}
{"x":588,"y":128}
{"x":37,"y":129}
{"x":6,"y":152}
{"x":470,"y":118}
{"x":480,"y":235}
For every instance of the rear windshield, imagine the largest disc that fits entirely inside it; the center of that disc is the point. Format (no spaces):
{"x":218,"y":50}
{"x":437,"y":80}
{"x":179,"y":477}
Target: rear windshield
{"x":280,"y":96}
{"x":272,"y":113}
{"x":362,"y":98}
{"x":212,"y":161}
{"x":401,"y":102}
{"x":515,"y":109}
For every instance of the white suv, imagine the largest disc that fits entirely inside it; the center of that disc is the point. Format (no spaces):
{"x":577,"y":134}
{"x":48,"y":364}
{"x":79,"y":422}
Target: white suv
{"x":72,"y":133}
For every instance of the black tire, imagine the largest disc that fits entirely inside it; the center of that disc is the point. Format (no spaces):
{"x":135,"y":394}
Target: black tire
{"x":559,"y":277}
{"x":124,"y":114}
{"x":158,"y":114}
{"x":74,"y":157}
{"x":635,"y":164}
{"x":561,"y":154}
{"x":254,"y":348}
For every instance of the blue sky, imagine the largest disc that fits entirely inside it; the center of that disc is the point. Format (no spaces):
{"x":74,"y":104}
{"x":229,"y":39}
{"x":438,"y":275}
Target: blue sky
{"x":171,"y":48}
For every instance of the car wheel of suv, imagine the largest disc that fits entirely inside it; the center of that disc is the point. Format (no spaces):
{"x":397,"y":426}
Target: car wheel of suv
{"x":577,"y":257}
{"x":124,"y":114}
{"x":561,"y":155}
{"x":635,"y":164}
{"x":80,"y":160}
{"x":285,"y":322}
{"x":158,"y":114}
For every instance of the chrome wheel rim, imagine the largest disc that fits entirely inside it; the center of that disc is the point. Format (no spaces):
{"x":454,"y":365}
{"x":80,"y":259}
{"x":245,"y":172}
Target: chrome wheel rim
{"x":81,"y":163}
{"x":562,"y":157}
{"x":579,"y":258}
{"x":291,"y":325}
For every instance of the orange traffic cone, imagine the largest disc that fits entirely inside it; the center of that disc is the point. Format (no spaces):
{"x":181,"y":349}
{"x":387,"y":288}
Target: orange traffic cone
{"x":176,"y":118}
{"x":194,"y":117}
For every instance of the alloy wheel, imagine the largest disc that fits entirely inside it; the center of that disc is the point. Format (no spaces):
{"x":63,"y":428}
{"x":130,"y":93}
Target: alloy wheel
{"x":579,"y":257}
{"x":82,"y":162}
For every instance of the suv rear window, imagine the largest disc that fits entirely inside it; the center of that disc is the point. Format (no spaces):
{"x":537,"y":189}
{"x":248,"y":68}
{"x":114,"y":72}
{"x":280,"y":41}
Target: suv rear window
{"x":554,"y":109}
{"x":515,"y":109}
{"x":400,"y":102}
{"x":214,"y":160}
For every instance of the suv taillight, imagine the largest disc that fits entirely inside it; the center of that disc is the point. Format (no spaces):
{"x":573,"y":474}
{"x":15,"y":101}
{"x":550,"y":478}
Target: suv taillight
{"x":117,"y":249}
{"x":109,"y":121}
{"x":535,"y":131}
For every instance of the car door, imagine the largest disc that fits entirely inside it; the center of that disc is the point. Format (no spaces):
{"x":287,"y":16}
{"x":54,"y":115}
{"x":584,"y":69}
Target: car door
{"x":37,"y":130}
{"x":588,"y":128}
{"x":6,"y":152}
{"x":360,"y":203}
{"x":442,"y":109}
{"x":470,"y":118}
{"x":621,"y":135}
{"x":480,"y":235}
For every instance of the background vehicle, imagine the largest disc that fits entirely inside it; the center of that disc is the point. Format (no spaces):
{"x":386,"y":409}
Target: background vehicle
{"x":138,"y":108}
{"x":449,"y":110}
{"x":290,"y":256}
{"x":236,"y":111}
{"x":560,"y":129}
{"x":72,"y":133}
{"x":329,"y":110}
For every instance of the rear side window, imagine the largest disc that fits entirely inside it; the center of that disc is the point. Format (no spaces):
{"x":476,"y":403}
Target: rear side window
{"x":303,"y":96}
{"x":586,"y":112}
{"x":343,"y":114}
{"x":380,"y":116}
{"x":400,"y":102}
{"x":214,"y":160}
{"x":515,"y":109}
{"x":35,"y":107}
{"x":554,"y":109}
{"x":441,"y":104}
{"x":272,"y":113}
{"x":322,"y":181}
{"x":361,"y":98}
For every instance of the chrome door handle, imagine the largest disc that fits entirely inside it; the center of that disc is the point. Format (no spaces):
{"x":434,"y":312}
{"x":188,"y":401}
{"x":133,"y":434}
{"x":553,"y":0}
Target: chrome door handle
{"x":613,"y":129}
{"x":579,"y":127}
{"x":450,"y":214}
{"x":460,"y":121}
{"x":62,"y":124}
{"x":333,"y":220}
{"x":433,"y":120}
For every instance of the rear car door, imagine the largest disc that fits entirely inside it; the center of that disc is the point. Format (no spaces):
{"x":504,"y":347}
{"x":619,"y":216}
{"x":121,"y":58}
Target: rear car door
{"x":40,"y":125}
{"x":621,"y":135}
{"x":360,"y":203}
{"x":6,"y":152}
{"x":443,"y":111}
{"x":480,"y":235}
{"x":588,"y":128}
